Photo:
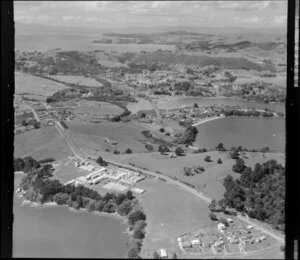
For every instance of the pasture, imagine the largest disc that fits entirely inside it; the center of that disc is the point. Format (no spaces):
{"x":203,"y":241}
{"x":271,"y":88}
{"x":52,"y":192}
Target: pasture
{"x":96,"y":110}
{"x":170,"y":212}
{"x":92,"y":136}
{"x":34,"y":85}
{"x":80,"y":80}
{"x":40,"y":144}
{"x":210,"y":182}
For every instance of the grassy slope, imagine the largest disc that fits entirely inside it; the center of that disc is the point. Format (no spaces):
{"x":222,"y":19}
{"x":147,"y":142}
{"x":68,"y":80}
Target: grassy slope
{"x":41,"y":143}
{"x":170,"y":212}
{"x":36,"y":85}
{"x":211,"y":181}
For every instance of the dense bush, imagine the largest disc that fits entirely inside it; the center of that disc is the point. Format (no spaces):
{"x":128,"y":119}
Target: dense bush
{"x":128,"y":151}
{"x":188,"y":136}
{"x":207,"y":158}
{"x":267,"y":180}
{"x":179,"y":151}
{"x":47,"y":160}
{"x":219,"y":161}
{"x":26,"y":164}
{"x":239,"y":166}
{"x":101,"y":162}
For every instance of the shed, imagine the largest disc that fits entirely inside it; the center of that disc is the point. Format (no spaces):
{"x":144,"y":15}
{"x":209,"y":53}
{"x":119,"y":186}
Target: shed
{"x":163,"y":253}
{"x":229,"y":220}
{"x":249,"y":226}
{"x":221,"y":226}
{"x":196,"y":242}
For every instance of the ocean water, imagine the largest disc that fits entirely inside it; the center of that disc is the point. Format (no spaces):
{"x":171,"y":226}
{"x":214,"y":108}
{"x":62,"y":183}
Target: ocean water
{"x":56,"y":232}
{"x":252,"y":133}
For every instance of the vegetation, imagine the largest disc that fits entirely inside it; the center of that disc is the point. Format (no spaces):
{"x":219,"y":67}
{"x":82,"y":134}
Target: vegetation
{"x":191,"y":171}
{"x":208,"y":158}
{"x":163,"y":149}
{"x":220,"y":147}
{"x":27,"y":164}
{"x":219,"y":161}
{"x":47,"y":160}
{"x":260,"y":192}
{"x":101,"y":162}
{"x":188,"y":136}
{"x":239,"y":166}
{"x":128,"y":151}
{"x":154,"y":139}
{"x":179,"y":151}
{"x":64,"y":125}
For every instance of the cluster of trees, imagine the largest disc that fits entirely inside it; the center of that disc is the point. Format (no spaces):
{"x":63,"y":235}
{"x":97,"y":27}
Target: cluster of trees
{"x":26,"y":164}
{"x":259,"y":192}
{"x":253,"y":112}
{"x":200,"y":150}
{"x":191,"y":171}
{"x":155,"y":140}
{"x":188,"y":136}
{"x":47,"y":160}
{"x":101,"y":162}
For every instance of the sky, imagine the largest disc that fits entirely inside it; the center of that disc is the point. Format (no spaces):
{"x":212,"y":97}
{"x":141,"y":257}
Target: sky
{"x":118,"y":14}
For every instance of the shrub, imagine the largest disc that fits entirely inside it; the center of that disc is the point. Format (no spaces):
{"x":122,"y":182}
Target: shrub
{"x":101,"y":162}
{"x":239,"y":166}
{"x":47,"y":160}
{"x":220,"y":147}
{"x":149,"y":147}
{"x":213,"y":216}
{"x":162,"y":130}
{"x":207,"y":158}
{"x":138,"y":234}
{"x":179,"y":151}
{"x":128,"y":151}
{"x":163,"y":149}
{"x":219,"y":161}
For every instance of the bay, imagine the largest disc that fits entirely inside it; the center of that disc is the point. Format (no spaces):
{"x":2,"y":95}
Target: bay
{"x":252,"y":133}
{"x":56,"y":232}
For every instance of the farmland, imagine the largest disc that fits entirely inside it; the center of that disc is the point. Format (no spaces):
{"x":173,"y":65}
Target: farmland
{"x":210,"y":182}
{"x":41,"y":143}
{"x":30,"y":84}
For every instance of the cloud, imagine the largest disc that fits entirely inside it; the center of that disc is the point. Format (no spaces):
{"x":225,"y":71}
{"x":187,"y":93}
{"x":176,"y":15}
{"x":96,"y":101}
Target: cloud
{"x":32,"y":19}
{"x":244,"y":5}
{"x":251,"y":20}
{"x":279,"y":20}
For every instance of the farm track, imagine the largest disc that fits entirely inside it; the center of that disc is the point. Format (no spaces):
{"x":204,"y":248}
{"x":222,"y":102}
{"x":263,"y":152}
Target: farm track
{"x":167,"y":180}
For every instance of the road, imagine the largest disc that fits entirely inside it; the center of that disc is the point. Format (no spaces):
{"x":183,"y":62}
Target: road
{"x":33,"y":111}
{"x":154,"y":105}
{"x":166,"y":178}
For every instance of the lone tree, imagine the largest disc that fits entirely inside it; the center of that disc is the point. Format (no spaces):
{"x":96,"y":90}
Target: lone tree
{"x":213,"y":216}
{"x":101,"y":162}
{"x":195,"y":105}
{"x":219,"y":161}
{"x":179,"y":151}
{"x":162,"y":130}
{"x":208,"y":159}
{"x":234,"y":154}
{"x":220,"y":147}
{"x":213,"y":205}
{"x":128,"y":151}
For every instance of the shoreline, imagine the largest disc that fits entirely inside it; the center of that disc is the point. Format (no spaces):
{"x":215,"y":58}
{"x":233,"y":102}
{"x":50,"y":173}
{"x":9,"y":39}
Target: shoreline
{"x":207,"y":120}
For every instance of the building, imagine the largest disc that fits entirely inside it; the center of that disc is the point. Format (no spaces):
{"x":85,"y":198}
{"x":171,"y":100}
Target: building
{"x":221,"y":226}
{"x":186,"y":244}
{"x":137,"y":190}
{"x":196,"y":242}
{"x":249,"y":227}
{"x":163,"y":253}
{"x":229,"y":220}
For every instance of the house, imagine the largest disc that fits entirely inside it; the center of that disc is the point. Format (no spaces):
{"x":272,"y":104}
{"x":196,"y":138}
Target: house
{"x":229,"y":220}
{"x":249,"y":227}
{"x":221,"y":226}
{"x":196,"y":242}
{"x":163,"y":253}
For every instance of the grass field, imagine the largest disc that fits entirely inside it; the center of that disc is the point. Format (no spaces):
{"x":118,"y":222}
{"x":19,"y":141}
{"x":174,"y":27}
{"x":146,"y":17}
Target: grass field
{"x":97,"y":109}
{"x":80,"y":80}
{"x":35,"y":85}
{"x":40,"y":144}
{"x":210,"y":181}
{"x":92,"y":136}
{"x":170,"y":212}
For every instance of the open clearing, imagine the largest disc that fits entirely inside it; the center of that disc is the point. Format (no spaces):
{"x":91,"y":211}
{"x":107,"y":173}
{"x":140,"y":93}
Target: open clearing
{"x":96,"y":110}
{"x":210,"y":182}
{"x":80,"y":80}
{"x":92,"y":136}
{"x":30,"y":84}
{"x":40,"y":144}
{"x":170,"y":212}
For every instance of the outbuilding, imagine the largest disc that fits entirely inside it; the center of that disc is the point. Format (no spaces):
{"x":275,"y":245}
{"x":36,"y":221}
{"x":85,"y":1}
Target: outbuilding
{"x":196,"y":242}
{"x":163,"y":253}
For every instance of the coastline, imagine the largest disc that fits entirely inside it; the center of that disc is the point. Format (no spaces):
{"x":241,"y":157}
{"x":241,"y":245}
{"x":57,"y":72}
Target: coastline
{"x":207,"y":120}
